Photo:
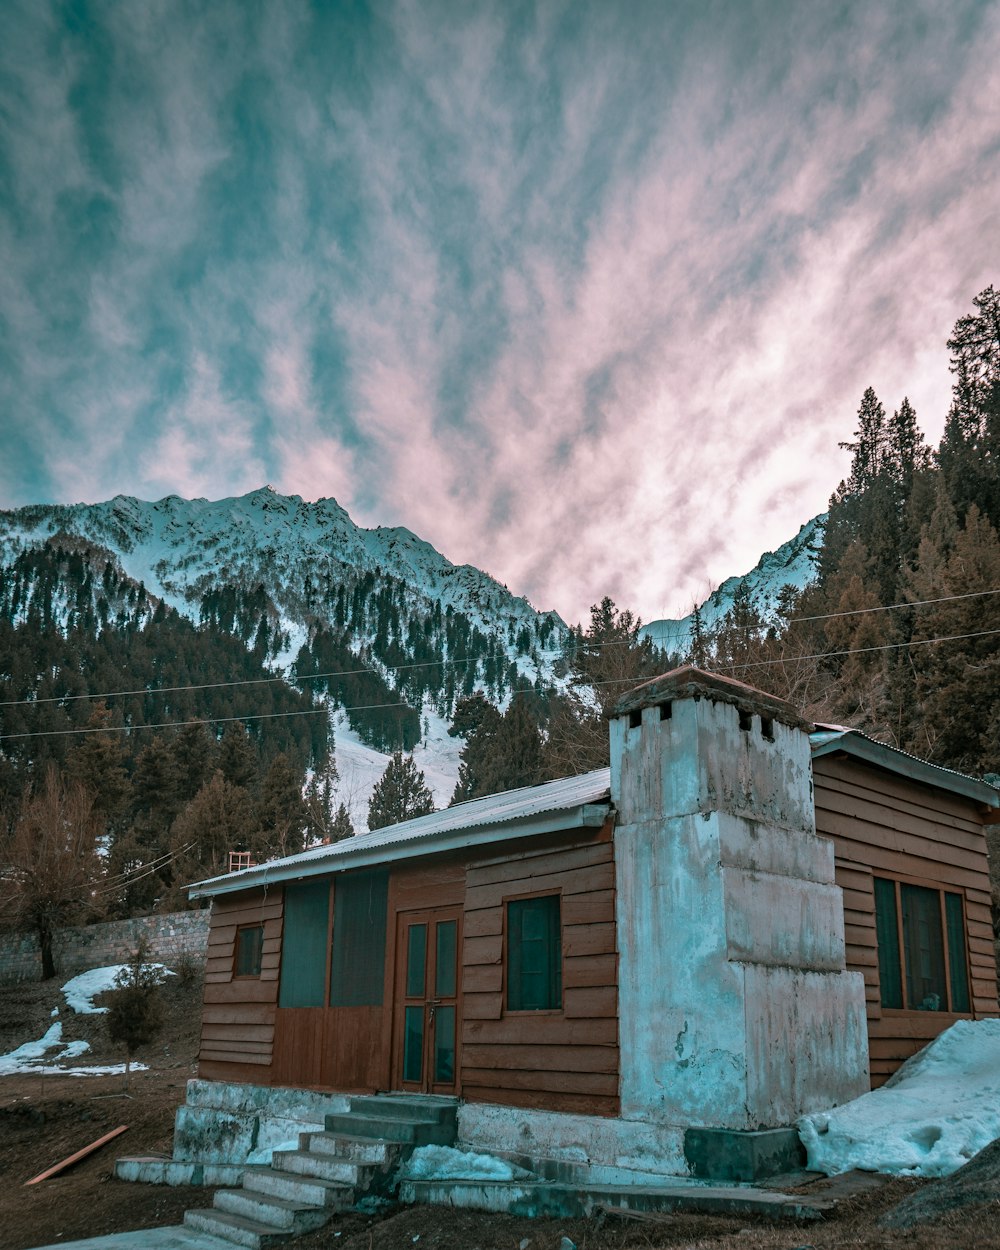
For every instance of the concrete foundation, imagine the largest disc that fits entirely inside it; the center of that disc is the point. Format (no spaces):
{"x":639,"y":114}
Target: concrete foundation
{"x":574,"y":1148}
{"x":223,"y":1126}
{"x":720,"y":1154}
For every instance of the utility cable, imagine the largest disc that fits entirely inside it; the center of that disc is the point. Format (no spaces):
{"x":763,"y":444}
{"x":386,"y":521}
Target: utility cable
{"x":372,"y":707}
{"x":578,"y":643}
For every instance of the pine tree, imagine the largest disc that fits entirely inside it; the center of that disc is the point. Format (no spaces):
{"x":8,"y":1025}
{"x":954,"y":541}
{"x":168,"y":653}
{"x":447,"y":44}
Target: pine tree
{"x":219,"y":819}
{"x":98,"y":763}
{"x":400,"y":794}
{"x":281,"y":810}
{"x":870,"y":447}
{"x":969,"y":454}
{"x":135,"y":1011}
{"x":610,"y":656}
{"x":342,"y":825}
{"x":237,"y":757}
{"x":477,"y":720}
{"x":194,"y":751}
{"x":501,"y":752}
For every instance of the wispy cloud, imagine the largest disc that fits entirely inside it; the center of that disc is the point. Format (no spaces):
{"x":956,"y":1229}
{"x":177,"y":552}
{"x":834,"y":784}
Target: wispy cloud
{"x":584,"y":296}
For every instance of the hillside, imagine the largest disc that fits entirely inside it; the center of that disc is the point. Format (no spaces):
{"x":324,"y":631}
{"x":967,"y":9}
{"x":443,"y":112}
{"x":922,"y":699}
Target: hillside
{"x":375,"y":620}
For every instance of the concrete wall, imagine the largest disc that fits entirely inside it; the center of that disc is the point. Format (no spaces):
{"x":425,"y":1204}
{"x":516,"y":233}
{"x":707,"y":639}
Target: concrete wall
{"x":735,"y":1010}
{"x":93,"y":946}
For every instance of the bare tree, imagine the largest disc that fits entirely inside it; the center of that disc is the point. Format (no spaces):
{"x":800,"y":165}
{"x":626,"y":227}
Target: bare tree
{"x":49,"y":866}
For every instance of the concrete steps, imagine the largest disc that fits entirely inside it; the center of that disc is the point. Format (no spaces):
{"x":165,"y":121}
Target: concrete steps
{"x":357,"y":1153}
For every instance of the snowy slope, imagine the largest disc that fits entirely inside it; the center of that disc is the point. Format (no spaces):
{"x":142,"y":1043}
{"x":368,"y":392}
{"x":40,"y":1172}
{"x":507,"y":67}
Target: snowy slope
{"x":180,"y":549}
{"x":794,"y":563}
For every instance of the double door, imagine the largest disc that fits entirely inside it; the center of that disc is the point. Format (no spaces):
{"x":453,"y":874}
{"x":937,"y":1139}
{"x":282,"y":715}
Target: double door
{"x":427,"y":998}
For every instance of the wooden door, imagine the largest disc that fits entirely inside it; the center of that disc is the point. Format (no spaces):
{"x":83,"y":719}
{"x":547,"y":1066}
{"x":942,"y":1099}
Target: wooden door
{"x":427,"y":1001}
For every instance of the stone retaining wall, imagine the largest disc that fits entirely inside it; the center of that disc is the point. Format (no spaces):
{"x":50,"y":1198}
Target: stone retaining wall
{"x":183,"y":933}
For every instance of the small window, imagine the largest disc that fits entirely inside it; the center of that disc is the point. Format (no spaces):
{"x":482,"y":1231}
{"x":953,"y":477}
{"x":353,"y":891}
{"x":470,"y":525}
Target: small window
{"x":746,"y":721}
{"x":249,"y":947}
{"x":534,"y":954}
{"x":635,"y":718}
{"x":921,"y":947}
{"x":767,"y":728}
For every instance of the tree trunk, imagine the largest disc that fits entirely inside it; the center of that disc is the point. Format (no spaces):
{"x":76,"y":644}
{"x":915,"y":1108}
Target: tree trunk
{"x":45,"y":943}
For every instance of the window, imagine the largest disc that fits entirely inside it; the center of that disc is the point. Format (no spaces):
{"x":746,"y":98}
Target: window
{"x":534,"y":954}
{"x":921,"y":947}
{"x":249,"y":946}
{"x":304,"y":944}
{"x":357,"y":968}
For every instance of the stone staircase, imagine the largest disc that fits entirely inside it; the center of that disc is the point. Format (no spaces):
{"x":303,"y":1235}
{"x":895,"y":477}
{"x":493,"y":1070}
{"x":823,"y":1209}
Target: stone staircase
{"x":357,"y":1154}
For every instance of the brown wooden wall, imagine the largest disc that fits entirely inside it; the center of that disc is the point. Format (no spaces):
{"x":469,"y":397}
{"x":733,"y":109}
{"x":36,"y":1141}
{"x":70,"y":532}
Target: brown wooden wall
{"x":563,"y":1060}
{"x":884,"y":824}
{"x":566,"y":1060}
{"x":237,"y":1029}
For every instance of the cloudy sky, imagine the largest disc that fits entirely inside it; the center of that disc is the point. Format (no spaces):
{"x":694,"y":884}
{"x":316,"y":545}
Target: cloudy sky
{"x":583,"y":293}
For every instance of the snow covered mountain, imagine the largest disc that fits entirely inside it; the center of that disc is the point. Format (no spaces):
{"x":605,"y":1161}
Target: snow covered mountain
{"x":793,"y":564}
{"x":315,"y":592}
{"x":314,"y":595}
{"x":179,"y":548}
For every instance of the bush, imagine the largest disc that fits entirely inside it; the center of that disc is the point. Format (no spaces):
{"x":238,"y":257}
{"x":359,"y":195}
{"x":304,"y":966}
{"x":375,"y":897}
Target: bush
{"x":135,"y":1013}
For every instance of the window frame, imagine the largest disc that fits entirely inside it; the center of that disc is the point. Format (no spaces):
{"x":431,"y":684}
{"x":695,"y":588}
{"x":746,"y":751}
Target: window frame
{"x":898,"y":880}
{"x":256,"y":926}
{"x":532,"y":1011}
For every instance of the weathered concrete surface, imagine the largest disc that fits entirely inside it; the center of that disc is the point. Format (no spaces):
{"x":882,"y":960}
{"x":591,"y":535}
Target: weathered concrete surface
{"x":574,"y":1148}
{"x":568,"y":1202}
{"x":150,"y":1170}
{"x":734,"y":1006}
{"x":721,"y":1154}
{"x":224,"y":1125}
{"x":176,"y":1237}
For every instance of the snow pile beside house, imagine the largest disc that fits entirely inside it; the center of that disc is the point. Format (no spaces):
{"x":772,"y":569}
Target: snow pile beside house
{"x":444,"y":1163}
{"x":929,"y":1119}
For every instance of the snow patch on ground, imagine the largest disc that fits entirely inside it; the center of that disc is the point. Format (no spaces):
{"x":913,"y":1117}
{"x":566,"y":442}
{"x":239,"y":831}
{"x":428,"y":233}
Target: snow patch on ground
{"x":34,"y":1057}
{"x":941,"y":1108}
{"x":81,"y":990}
{"x":445,"y":1163}
{"x":80,"y":993}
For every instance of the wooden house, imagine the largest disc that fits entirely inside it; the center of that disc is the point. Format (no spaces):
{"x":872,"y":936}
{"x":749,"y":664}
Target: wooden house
{"x":713,"y":932}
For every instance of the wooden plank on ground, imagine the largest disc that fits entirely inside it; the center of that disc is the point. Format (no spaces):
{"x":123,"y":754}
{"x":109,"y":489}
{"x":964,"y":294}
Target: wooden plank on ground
{"x":80,"y":1154}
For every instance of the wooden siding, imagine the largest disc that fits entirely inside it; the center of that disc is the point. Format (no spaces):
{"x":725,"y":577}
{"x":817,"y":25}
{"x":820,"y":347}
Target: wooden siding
{"x":884,"y":825}
{"x":565,"y":1060}
{"x":238,"y":1013}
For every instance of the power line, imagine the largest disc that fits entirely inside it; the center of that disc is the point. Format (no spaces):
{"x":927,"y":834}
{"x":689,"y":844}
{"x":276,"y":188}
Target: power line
{"x":181,"y":724}
{"x":372,"y":707}
{"x":885,"y":646}
{"x":400,"y":668}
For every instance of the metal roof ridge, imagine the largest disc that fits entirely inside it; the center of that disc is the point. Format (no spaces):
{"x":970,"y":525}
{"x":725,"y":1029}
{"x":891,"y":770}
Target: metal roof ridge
{"x":826,"y":735}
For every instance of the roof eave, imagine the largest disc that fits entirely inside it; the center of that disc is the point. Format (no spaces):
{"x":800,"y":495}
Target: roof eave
{"x":881,"y":756}
{"x":586,"y":816}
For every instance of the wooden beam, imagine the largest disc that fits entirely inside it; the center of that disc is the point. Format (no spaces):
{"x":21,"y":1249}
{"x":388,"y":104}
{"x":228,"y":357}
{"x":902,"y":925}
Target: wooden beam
{"x":80,"y":1154}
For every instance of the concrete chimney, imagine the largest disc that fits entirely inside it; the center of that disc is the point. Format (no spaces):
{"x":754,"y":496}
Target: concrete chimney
{"x":735,"y":1008}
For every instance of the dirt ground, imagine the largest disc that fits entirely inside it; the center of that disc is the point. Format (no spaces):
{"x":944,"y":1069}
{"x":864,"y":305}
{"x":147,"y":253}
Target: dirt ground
{"x":45,"y":1118}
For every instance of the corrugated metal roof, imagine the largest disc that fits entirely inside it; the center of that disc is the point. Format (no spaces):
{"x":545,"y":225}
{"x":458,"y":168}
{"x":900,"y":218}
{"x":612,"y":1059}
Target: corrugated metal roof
{"x":829,"y":738}
{"x":566,"y":803}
